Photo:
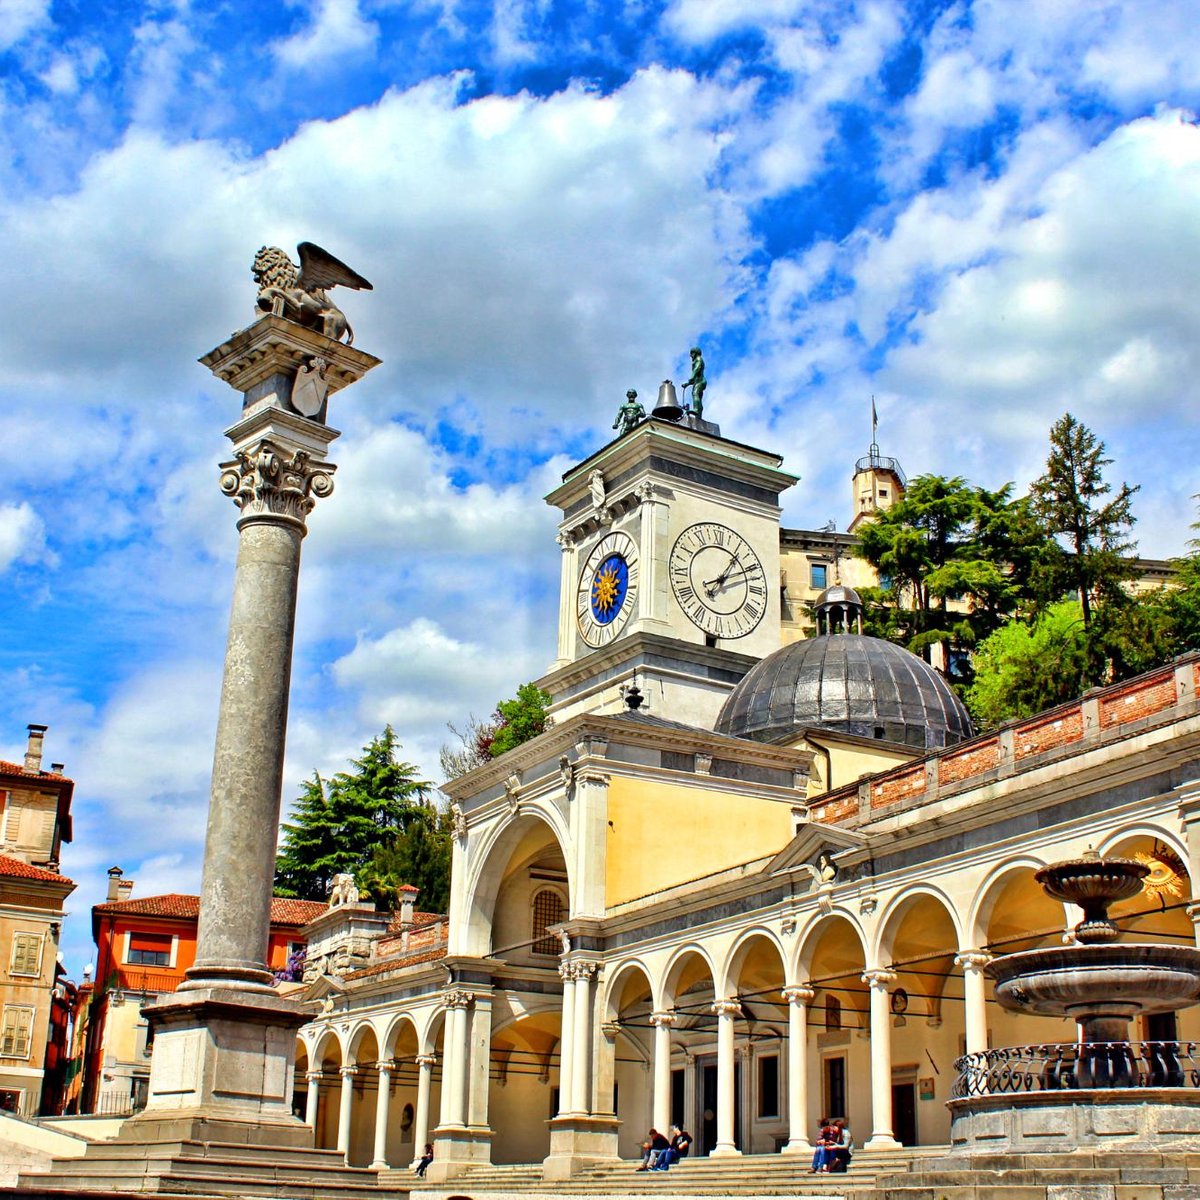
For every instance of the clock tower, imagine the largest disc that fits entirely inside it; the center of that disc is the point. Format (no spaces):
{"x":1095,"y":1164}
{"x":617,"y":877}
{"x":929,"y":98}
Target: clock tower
{"x":670,"y":571}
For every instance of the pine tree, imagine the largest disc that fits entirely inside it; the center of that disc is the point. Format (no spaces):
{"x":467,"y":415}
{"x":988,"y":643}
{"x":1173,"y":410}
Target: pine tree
{"x":1070,"y":501}
{"x":338,"y":824}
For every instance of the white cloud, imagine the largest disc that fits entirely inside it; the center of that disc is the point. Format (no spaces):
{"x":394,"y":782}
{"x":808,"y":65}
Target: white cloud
{"x":22,"y":535}
{"x":19,"y":18}
{"x":337,"y":28}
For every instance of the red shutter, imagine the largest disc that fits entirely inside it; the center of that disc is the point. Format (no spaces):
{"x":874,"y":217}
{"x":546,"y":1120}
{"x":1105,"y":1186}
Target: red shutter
{"x":153,"y":942}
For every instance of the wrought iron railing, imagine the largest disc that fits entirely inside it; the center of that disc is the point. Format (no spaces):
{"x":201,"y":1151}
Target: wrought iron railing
{"x":875,"y":462}
{"x":1054,"y":1067}
{"x":145,"y":982}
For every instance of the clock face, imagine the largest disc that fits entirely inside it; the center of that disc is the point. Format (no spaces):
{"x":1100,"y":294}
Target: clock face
{"x":607,"y":588}
{"x":718,"y":580}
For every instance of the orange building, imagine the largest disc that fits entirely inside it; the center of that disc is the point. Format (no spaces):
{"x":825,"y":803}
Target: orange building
{"x":35,"y":820}
{"x":143,"y":948}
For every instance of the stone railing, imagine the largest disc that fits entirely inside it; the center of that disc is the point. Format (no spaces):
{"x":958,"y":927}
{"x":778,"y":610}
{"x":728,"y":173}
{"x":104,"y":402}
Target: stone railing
{"x":1054,"y":1067}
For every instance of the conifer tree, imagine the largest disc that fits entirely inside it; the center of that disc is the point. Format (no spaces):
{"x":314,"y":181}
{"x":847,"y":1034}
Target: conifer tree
{"x":338,"y":824}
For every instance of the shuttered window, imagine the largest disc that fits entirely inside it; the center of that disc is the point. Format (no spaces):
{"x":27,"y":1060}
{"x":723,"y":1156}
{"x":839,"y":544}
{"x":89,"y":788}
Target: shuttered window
{"x":26,"y":954}
{"x":15,"y":1032}
{"x":150,"y":949}
{"x":548,"y":909}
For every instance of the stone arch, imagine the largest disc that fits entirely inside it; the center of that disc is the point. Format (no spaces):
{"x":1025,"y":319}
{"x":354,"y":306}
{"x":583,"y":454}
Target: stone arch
{"x":1159,"y":911}
{"x":509,"y":849}
{"x":1008,"y":885}
{"x":357,"y":1044}
{"x":898,"y":907}
{"x":918,"y":937}
{"x":749,"y":944}
{"x":832,"y":957}
{"x":399,"y":1024}
{"x":685,"y":966}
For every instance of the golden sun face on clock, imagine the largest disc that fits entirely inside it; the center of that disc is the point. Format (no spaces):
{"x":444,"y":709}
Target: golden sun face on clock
{"x":718,"y":580}
{"x":607,"y":589}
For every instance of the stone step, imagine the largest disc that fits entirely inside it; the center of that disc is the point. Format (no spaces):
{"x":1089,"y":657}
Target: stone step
{"x":181,"y":1182}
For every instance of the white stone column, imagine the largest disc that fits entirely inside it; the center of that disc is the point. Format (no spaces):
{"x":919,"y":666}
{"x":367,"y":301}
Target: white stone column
{"x":566,"y":599}
{"x":425,"y":1064}
{"x":455,"y":1060}
{"x":566,"y":1042}
{"x":382,"y":1103}
{"x":313,"y":1099}
{"x":581,"y":1046}
{"x":727,"y":1012}
{"x":345,"y":1100}
{"x":975,"y":984}
{"x":798,"y":999}
{"x":663,"y":1023}
{"x":882,"y":1137}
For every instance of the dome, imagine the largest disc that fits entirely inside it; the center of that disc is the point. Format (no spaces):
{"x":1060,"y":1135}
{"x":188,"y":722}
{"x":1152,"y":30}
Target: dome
{"x":849,"y":683}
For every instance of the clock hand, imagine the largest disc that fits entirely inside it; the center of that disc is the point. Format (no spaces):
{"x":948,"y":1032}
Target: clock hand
{"x":711,"y":586}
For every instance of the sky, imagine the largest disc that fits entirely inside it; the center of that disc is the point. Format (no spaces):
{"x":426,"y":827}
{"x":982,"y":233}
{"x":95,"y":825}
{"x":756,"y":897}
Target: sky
{"x":984,"y":214}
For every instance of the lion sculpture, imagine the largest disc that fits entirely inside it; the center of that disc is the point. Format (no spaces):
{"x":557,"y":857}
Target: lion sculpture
{"x":343,"y":891}
{"x":299,"y":293}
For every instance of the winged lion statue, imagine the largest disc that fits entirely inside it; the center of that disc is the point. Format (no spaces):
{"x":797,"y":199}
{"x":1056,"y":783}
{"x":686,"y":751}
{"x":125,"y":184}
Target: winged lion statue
{"x":299,"y":293}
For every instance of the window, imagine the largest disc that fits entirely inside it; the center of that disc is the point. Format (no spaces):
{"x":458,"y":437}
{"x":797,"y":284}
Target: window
{"x":10,"y":1101}
{"x":548,"y":909}
{"x":14,"y":1034}
{"x":768,"y":1086}
{"x":818,"y":574}
{"x":149,"y":949}
{"x":26,"y":954}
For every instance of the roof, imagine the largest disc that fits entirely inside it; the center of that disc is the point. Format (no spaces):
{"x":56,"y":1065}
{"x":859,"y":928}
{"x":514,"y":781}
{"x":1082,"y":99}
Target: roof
{"x":180,"y":907}
{"x":12,"y":768}
{"x":65,"y":787}
{"x":18,"y":868}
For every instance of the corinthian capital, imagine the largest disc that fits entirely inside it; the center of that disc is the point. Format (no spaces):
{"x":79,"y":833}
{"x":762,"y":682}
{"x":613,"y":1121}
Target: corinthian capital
{"x":727,"y":1008}
{"x":669,"y":1019}
{"x":270,"y":480}
{"x":879,"y":978}
{"x":457,"y":998}
{"x":972,"y":960}
{"x":801,"y":993}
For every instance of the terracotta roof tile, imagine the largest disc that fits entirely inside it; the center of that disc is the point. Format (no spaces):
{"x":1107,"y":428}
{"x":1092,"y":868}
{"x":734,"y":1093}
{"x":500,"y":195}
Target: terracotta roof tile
{"x":283,"y":912}
{"x":12,"y":768}
{"x":397,"y":963}
{"x":20,"y":869}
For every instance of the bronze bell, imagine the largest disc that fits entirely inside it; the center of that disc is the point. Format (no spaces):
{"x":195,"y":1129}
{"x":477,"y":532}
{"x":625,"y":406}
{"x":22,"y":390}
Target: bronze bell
{"x":667,"y":408}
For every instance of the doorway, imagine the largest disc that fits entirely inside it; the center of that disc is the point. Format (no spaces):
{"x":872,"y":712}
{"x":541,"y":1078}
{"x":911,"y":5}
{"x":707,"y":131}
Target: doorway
{"x":707,"y":1091}
{"x":904,"y":1113}
{"x":833,"y":1092}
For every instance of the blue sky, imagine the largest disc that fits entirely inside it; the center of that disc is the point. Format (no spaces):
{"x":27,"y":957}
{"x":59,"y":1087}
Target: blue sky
{"x":984,"y":214}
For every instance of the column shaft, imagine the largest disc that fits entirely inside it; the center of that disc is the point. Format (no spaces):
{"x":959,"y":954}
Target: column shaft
{"x":346,"y":1099}
{"x":727,"y":1013}
{"x":581,"y":1069}
{"x":566,"y":1044}
{"x":798,"y":999}
{"x":421,"y":1120}
{"x":382,"y":1103}
{"x":972,"y":963}
{"x":313,"y":1100}
{"x":881,"y":1059}
{"x":662,"y":1023}
{"x":454,"y":1069}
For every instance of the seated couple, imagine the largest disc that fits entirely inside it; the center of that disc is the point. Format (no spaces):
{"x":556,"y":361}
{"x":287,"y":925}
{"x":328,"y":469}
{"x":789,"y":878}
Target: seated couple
{"x":658,"y":1153}
{"x":834,"y":1146}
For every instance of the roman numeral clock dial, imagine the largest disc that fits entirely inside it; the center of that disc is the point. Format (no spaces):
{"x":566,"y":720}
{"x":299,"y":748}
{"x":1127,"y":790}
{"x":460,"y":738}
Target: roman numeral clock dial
{"x":718,"y":580}
{"x":607,"y":589}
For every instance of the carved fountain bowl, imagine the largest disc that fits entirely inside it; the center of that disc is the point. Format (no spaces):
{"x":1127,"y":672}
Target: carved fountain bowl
{"x":1090,"y":880}
{"x":1121,"y":979}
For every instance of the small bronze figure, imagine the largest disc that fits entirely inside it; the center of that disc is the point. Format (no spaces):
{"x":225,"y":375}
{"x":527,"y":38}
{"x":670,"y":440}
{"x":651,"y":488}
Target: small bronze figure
{"x":630,"y":415}
{"x":696,"y":383}
{"x":299,"y":293}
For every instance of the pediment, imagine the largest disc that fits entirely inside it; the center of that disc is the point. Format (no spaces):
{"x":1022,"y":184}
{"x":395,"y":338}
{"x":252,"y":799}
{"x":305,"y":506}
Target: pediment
{"x":812,"y":840}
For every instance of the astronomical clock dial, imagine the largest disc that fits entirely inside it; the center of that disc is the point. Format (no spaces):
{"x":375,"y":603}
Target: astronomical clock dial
{"x":718,"y":580}
{"x":607,"y":589}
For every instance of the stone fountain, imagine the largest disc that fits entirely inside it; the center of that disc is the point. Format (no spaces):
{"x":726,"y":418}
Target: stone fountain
{"x":1102,"y":1089}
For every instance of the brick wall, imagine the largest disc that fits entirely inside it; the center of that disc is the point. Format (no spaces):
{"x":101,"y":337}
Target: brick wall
{"x":1048,"y":732}
{"x":974,"y":760}
{"x":1141,"y":699}
{"x":901,"y":785}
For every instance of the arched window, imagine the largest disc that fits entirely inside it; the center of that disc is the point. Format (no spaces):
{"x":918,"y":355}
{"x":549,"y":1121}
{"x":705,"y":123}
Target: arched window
{"x":548,"y":909}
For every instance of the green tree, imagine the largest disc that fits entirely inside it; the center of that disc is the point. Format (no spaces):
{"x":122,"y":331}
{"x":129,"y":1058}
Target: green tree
{"x":339,"y":823}
{"x":520,"y":719}
{"x":1023,"y":668}
{"x":419,"y":857}
{"x":1076,"y":505}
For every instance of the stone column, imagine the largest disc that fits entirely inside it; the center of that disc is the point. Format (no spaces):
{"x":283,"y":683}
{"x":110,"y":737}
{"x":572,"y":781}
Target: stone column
{"x":581,"y":1070}
{"x":798,"y":999}
{"x":345,"y":1100}
{"x":566,"y":599}
{"x":382,"y":1103}
{"x":663,"y":1023}
{"x":881,"y":1060}
{"x":313,"y":1099}
{"x":566,"y":1041}
{"x":975,"y":986}
{"x":455,"y":1060}
{"x":223,"y":1062}
{"x":727,"y":1012}
{"x":425,"y":1063}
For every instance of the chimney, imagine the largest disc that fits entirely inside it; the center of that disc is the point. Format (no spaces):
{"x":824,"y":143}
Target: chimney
{"x":408,"y":899}
{"x":118,"y":886}
{"x":57,"y":768}
{"x":33,"y":751}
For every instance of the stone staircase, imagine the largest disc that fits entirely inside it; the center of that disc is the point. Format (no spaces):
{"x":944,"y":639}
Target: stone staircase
{"x":196,"y":1168}
{"x":749,"y":1175}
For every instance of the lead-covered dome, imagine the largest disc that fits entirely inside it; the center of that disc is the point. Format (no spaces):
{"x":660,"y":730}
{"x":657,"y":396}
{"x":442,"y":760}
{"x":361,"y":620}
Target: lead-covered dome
{"x":846,"y":682}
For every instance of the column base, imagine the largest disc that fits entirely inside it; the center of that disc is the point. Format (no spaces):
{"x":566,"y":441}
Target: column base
{"x":456,"y":1147}
{"x":719,"y":1151}
{"x":577,"y":1141}
{"x":224,"y":1063}
{"x":798,"y":1147}
{"x":882,"y":1141}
